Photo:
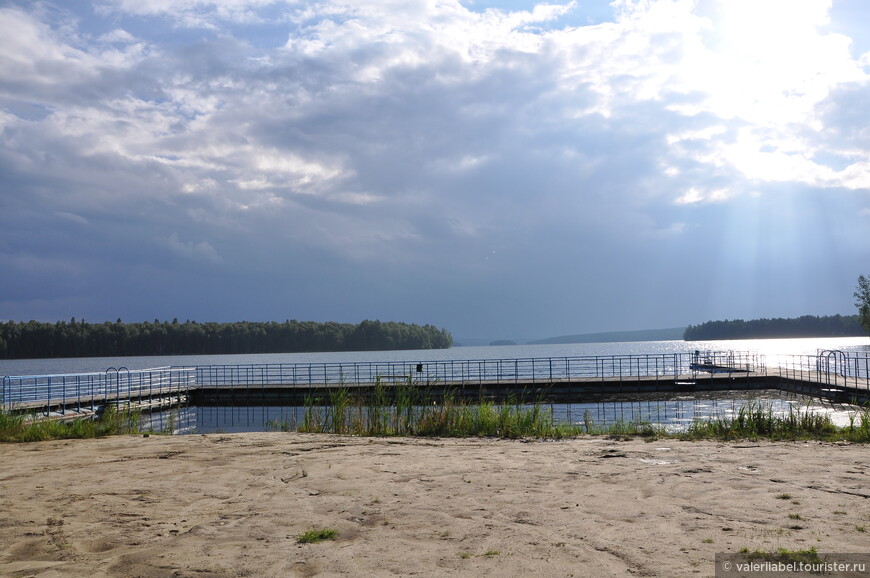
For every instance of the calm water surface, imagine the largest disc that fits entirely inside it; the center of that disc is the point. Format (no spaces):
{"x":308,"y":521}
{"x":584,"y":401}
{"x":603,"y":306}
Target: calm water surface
{"x":772,"y":348}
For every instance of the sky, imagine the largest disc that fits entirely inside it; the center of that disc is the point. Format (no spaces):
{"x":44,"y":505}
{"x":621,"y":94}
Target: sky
{"x":498,"y":168}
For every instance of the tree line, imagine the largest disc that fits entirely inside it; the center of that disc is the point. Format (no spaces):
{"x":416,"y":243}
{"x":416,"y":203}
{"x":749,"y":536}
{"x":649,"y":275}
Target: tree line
{"x":35,"y":339}
{"x":806,"y":326}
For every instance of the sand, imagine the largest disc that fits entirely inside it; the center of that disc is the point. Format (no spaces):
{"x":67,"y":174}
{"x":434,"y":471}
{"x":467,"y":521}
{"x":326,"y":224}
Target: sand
{"x":233,"y":505}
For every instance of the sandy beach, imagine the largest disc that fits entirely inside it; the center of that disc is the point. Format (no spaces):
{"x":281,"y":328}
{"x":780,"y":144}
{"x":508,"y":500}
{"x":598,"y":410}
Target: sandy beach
{"x":234,"y":505}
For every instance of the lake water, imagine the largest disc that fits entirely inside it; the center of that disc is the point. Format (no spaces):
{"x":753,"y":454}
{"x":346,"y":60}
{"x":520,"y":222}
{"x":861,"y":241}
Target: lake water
{"x":773,"y":349}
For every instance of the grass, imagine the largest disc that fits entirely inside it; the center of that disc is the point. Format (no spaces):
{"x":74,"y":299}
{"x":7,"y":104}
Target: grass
{"x":315,"y":536}
{"x":810,"y":556}
{"x":434,"y":410}
{"x":406,"y":410}
{"x":758,"y":421}
{"x":18,"y":427}
{"x":410,"y":410}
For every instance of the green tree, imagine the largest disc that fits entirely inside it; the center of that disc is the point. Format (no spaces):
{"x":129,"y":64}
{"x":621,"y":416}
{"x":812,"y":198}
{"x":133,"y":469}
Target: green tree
{"x":863,"y":301}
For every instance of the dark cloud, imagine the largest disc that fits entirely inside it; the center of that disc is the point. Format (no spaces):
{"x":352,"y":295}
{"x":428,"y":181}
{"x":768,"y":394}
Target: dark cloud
{"x":457,"y":168}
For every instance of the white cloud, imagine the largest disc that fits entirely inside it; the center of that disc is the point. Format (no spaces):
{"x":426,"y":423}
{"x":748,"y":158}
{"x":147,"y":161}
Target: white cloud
{"x":32,"y":52}
{"x":695,"y":195}
{"x":118,"y":36}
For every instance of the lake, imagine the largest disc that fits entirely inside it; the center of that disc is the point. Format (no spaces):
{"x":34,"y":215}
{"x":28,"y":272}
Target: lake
{"x":773,"y":349}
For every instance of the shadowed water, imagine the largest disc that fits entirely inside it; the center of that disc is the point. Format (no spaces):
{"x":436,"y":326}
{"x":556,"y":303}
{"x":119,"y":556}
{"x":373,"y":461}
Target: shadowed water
{"x":674,"y":414}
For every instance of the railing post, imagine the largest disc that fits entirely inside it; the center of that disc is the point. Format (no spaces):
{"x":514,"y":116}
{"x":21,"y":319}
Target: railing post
{"x":63,"y":399}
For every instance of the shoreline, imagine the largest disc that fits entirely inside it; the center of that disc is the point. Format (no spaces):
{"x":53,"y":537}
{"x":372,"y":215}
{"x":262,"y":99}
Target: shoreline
{"x":234,"y":504}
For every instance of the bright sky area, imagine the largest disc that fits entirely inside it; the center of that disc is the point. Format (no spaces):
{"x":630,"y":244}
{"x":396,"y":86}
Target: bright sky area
{"x":499,"y":168}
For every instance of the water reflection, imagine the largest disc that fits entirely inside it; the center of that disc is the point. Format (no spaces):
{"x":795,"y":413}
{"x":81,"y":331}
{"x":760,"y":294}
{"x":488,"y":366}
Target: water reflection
{"x":674,"y":414}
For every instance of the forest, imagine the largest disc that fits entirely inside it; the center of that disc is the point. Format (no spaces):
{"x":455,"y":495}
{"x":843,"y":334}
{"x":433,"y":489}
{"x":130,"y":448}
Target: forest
{"x":33,"y":339}
{"x":806,"y":326}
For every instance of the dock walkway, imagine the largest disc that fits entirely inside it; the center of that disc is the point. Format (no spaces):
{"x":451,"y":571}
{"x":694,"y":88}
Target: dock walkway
{"x":833,"y":376}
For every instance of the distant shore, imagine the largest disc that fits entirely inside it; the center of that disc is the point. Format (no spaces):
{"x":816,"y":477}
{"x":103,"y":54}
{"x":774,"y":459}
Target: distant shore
{"x":231,"y":505}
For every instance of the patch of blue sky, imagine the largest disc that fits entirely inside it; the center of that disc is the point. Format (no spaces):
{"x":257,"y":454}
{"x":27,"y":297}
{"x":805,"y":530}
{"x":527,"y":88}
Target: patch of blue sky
{"x":580,"y":13}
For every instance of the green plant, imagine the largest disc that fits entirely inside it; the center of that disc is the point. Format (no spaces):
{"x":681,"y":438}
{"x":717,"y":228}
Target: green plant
{"x":18,"y":427}
{"x":409,"y":408}
{"x":315,"y":536}
{"x":281,"y":424}
{"x":756,"y":420}
{"x":809,"y":556}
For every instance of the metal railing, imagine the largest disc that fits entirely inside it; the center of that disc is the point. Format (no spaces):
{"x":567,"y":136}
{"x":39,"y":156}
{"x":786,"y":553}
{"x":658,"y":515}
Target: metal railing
{"x":828,"y":367}
{"x":119,"y":385}
{"x":473,"y":371}
{"x":77,"y":391}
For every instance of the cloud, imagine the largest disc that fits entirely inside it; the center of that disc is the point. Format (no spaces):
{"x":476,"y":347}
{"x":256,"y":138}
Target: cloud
{"x":346,"y":144}
{"x":72,"y":217}
{"x":118,"y":36}
{"x":197,"y":251}
{"x":694,"y":195}
{"x":201,"y":14}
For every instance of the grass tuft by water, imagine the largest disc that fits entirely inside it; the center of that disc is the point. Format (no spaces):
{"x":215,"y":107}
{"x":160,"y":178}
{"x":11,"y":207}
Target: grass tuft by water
{"x":18,"y":427}
{"x":407,"y":410}
{"x":758,"y":421}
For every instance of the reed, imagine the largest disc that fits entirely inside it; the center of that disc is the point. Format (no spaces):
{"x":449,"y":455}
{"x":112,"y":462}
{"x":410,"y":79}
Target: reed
{"x":406,"y":409}
{"x":17,"y":427}
{"x":758,"y":421}
{"x":434,"y":410}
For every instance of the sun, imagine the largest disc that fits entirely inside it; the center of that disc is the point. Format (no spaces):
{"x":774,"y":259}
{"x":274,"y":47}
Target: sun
{"x":767,"y":56}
